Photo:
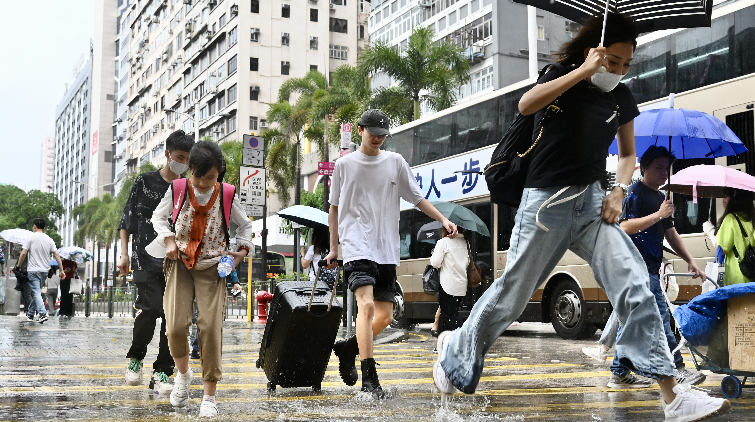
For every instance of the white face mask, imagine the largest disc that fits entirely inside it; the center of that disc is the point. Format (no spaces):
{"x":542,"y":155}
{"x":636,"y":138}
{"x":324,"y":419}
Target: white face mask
{"x":177,"y":168}
{"x":606,"y":81}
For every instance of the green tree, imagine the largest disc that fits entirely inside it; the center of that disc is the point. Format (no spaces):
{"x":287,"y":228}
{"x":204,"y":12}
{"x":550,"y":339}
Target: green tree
{"x":436,"y":69}
{"x":19,"y":209}
{"x":233,"y":152}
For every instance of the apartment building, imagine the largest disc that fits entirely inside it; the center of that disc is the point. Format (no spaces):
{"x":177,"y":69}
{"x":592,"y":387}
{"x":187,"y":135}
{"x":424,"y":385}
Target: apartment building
{"x":492,"y":33}
{"x":122,"y":73}
{"x":72,"y":147}
{"x":47,"y":172}
{"x":219,"y":62}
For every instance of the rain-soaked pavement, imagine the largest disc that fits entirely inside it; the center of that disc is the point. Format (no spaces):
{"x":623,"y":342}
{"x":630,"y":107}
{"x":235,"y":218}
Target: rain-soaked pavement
{"x":74,"y":370}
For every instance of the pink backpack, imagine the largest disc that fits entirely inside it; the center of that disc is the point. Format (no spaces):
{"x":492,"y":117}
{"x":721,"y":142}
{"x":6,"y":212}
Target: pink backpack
{"x":227,"y":192}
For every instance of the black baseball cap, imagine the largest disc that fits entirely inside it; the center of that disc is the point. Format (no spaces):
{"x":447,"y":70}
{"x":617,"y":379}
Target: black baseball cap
{"x":376,"y":122}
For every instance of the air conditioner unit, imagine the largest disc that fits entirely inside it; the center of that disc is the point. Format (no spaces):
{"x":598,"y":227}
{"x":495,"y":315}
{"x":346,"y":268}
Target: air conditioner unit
{"x":425,"y":3}
{"x":209,"y":34}
{"x":187,"y":27}
{"x":170,"y":32}
{"x":156,"y":20}
{"x":154,"y":130}
{"x":234,"y":10}
{"x":287,"y":64}
{"x":313,"y":38}
{"x":171,"y":126}
{"x":255,"y":88}
{"x":263,"y":123}
{"x":332,"y":6}
{"x":212,"y":3}
{"x":164,"y":3}
{"x":187,"y":2}
{"x":165,"y":56}
{"x":154,"y":94}
{"x":212,"y":91}
{"x":285,"y":34}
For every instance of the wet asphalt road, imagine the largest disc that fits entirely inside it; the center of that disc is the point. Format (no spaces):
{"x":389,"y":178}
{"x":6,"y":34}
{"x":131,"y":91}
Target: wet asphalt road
{"x":74,"y":370}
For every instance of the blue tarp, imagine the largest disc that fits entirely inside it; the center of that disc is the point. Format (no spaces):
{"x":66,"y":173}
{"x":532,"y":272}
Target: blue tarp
{"x":699,"y":318}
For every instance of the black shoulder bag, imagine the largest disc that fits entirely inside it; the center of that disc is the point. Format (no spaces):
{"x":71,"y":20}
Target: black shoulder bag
{"x":431,"y":280}
{"x":507,"y":170}
{"x":746,"y":263}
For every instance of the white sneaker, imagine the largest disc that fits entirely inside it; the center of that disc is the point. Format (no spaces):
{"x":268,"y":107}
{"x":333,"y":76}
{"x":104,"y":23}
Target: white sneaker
{"x":208,"y":409}
{"x":685,"y":376}
{"x":692,"y":404}
{"x":439,"y":376}
{"x":134,"y":372}
{"x":628,"y":381}
{"x":179,"y":397}
{"x":160,"y":383}
{"x":598,"y":353}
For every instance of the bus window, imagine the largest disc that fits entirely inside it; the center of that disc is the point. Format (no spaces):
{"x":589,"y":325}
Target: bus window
{"x":409,"y":224}
{"x":506,"y":216}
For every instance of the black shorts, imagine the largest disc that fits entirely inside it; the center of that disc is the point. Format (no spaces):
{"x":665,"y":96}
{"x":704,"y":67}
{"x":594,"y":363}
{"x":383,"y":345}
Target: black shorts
{"x":150,"y":289}
{"x":382,"y":278}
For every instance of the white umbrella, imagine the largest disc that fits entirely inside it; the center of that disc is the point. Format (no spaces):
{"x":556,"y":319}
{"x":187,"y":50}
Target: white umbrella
{"x":15,"y":235}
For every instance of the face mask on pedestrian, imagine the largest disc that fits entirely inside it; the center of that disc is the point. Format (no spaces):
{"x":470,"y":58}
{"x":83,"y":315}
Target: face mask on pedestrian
{"x":605,"y":80}
{"x":177,"y":168}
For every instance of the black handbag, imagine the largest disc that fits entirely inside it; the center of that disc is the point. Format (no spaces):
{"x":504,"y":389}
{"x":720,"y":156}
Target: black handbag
{"x":506,"y":173}
{"x":746,"y":263}
{"x":431,"y":280}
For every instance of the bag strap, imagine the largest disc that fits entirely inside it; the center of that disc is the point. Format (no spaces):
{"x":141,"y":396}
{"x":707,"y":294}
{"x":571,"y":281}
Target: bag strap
{"x":469,"y":253}
{"x":744,"y":233}
{"x":179,"y":188}
{"x":228,"y":191}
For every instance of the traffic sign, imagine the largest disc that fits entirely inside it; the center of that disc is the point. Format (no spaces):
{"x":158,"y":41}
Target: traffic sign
{"x":252,"y":190}
{"x":325,"y":168}
{"x":253,"y":210}
{"x":345,"y":134}
{"x":254,"y":151}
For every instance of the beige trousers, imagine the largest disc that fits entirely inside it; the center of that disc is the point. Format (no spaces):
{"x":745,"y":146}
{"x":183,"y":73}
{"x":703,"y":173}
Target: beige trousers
{"x":181,"y":286}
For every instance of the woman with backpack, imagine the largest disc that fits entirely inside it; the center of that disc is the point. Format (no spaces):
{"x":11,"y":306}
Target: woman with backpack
{"x":195,"y":244}
{"x":739,"y":212}
{"x":579,"y":106}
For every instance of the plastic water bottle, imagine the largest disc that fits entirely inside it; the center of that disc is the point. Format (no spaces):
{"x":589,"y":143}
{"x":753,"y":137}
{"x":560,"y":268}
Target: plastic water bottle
{"x":225,"y":266}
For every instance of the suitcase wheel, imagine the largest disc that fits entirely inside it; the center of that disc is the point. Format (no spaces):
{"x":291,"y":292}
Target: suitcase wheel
{"x":270,"y":387}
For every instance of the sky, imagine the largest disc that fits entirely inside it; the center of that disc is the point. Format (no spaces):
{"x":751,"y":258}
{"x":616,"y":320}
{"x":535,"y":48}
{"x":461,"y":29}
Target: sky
{"x":41,"y":41}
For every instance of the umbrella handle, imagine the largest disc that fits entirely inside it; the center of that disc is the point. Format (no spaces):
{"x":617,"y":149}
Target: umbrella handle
{"x":605,"y":19}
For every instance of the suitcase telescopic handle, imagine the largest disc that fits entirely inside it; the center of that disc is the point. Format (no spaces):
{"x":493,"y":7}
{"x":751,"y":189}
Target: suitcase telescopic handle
{"x":323,"y":263}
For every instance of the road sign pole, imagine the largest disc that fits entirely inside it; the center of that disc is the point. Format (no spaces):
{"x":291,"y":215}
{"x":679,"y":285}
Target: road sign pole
{"x":249,"y":283}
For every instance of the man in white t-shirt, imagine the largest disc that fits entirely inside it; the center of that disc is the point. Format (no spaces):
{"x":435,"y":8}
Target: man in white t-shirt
{"x":367,"y":187}
{"x":37,"y":248}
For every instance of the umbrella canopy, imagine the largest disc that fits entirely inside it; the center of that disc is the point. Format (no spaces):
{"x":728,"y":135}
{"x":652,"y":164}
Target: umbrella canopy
{"x":75,"y":254}
{"x":15,"y":235}
{"x":709,"y":181}
{"x":304,"y":215}
{"x":462,"y":217}
{"x":688,"y":133}
{"x":430,"y":232}
{"x":650,"y":15}
{"x":53,"y":262}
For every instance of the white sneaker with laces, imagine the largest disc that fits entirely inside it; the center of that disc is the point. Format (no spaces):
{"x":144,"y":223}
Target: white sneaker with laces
{"x":692,"y":404}
{"x":628,"y":381}
{"x":160,"y":383}
{"x":134,"y":372}
{"x":439,"y":376}
{"x":685,"y":376}
{"x":208,"y":409}
{"x":598,"y":353}
{"x":179,"y":397}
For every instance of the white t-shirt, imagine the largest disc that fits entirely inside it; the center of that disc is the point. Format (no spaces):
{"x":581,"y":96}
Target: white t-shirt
{"x":452,"y":257}
{"x":367,"y":191}
{"x":39,"y":249}
{"x":310,"y":256}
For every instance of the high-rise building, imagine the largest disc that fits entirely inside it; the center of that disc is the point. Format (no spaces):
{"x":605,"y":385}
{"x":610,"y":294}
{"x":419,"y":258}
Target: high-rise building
{"x":492,"y":33}
{"x":48,"y":165}
{"x":122,"y":73}
{"x":221,"y":62}
{"x":72,"y":150}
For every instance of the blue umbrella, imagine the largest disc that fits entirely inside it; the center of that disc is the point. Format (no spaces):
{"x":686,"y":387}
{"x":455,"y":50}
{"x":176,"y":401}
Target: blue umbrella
{"x":686,"y":133}
{"x":53,"y":262}
{"x":304,"y":215}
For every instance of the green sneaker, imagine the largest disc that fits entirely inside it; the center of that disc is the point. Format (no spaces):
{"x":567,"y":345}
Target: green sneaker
{"x":134,"y":372}
{"x":160,"y":383}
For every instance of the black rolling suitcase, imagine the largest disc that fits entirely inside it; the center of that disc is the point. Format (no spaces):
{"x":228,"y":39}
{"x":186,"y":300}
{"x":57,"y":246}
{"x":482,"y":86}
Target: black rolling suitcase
{"x":302,"y":325}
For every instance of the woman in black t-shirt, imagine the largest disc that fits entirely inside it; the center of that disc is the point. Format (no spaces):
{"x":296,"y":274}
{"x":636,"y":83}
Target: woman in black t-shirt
{"x":564,"y":207}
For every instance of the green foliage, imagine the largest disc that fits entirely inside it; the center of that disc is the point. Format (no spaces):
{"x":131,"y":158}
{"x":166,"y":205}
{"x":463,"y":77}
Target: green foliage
{"x":233,"y":152}
{"x":19,"y":209}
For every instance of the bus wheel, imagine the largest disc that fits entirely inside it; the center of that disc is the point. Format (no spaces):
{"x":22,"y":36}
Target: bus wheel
{"x":567,"y":312}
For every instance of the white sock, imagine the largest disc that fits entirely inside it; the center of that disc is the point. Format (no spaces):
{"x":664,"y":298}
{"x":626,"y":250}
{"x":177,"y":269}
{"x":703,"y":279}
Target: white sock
{"x":185,"y":374}
{"x":210,"y":399}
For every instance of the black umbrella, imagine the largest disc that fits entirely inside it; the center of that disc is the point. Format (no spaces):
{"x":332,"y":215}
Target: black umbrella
{"x":649,"y":15}
{"x":430,"y":232}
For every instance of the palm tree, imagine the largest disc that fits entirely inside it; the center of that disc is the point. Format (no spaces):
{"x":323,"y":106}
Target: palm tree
{"x":427,"y":70}
{"x":233,"y":151}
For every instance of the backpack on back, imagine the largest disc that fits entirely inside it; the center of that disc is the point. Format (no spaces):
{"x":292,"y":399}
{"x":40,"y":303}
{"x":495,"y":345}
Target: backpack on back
{"x":507,"y":171}
{"x":227,"y":192}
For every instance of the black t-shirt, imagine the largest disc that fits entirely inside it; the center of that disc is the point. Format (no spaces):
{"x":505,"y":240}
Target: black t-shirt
{"x":641,"y":202}
{"x":146,"y":194}
{"x":575,"y":140}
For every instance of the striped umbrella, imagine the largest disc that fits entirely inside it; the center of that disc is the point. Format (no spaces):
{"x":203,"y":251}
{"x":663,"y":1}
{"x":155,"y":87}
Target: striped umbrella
{"x":650,"y":15}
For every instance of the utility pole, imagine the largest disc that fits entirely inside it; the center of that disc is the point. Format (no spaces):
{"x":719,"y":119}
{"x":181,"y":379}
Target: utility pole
{"x":326,"y":178}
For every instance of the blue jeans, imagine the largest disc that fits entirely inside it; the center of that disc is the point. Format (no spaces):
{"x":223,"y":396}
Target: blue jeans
{"x":36,"y":278}
{"x":574,"y":225}
{"x":610,"y":332}
{"x":655,"y":286}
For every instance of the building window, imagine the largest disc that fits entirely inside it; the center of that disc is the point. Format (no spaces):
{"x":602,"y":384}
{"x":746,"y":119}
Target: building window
{"x":203,"y":112}
{"x":255,"y":34}
{"x":255,"y":6}
{"x":313,"y":67}
{"x":285,"y":38}
{"x":233,"y":36}
{"x":254,"y":93}
{"x":313,"y":15}
{"x":541,"y":28}
{"x":284,"y":67}
{"x":339,"y":25}
{"x":254,"y":64}
{"x":231,"y":124}
{"x":286,"y":11}
{"x":232,"y":64}
{"x":339,"y":52}
{"x":232,"y":94}
{"x":572,"y":29}
{"x":221,"y":22}
{"x":221,"y":102}
{"x":313,"y":43}
{"x":253,"y":123}
{"x":211,"y":108}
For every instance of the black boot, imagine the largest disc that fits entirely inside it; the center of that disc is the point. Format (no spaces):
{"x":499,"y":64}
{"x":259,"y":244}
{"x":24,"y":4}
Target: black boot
{"x":370,"y":381}
{"x":347,"y":351}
